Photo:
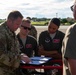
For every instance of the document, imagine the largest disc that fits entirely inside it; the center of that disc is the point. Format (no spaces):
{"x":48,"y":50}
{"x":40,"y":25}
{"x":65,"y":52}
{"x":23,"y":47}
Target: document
{"x":38,"y":60}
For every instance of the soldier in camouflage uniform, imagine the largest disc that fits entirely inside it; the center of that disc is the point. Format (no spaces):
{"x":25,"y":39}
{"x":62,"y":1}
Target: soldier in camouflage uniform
{"x":33,"y":31}
{"x":9,"y":47}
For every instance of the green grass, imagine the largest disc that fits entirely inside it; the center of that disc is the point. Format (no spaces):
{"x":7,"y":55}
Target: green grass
{"x":2,"y":21}
{"x":40,"y":23}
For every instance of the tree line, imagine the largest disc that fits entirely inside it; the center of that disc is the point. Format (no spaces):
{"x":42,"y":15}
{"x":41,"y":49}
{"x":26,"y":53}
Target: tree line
{"x":44,"y":21}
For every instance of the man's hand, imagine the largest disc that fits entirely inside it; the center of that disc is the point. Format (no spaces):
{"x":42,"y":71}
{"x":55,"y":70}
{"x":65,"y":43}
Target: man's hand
{"x":25,"y":58}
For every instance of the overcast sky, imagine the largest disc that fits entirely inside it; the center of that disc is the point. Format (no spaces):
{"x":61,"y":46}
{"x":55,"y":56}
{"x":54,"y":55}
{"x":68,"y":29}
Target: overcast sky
{"x":37,"y":8}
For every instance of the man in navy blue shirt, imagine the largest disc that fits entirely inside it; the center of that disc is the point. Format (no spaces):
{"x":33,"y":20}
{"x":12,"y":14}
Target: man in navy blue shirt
{"x":50,"y":41}
{"x":28,"y":44}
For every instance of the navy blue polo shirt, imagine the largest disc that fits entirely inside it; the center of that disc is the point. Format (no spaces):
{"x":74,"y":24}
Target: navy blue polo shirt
{"x":49,"y":43}
{"x":30,"y":48}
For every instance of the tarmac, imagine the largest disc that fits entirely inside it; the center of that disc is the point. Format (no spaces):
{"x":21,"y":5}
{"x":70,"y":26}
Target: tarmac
{"x":42,"y":28}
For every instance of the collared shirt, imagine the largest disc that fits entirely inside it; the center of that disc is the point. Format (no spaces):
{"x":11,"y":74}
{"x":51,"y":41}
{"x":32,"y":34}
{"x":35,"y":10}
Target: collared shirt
{"x":30,"y":48}
{"x":69,"y":48}
{"x":51,"y":44}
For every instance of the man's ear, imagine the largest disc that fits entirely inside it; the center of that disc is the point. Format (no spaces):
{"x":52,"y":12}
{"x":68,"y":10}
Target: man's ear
{"x":9,"y":21}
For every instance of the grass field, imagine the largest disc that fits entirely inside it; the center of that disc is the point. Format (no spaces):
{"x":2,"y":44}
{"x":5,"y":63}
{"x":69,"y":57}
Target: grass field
{"x":39,"y":23}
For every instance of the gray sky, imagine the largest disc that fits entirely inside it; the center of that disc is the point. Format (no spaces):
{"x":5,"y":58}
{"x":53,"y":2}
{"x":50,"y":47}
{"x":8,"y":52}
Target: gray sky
{"x":37,"y":8}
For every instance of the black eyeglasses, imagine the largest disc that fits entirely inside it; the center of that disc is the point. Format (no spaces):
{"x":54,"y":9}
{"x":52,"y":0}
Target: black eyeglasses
{"x":26,"y":27}
{"x":72,"y":7}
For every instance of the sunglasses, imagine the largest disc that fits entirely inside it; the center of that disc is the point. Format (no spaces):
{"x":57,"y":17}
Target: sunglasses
{"x":72,"y":7}
{"x":26,"y":27}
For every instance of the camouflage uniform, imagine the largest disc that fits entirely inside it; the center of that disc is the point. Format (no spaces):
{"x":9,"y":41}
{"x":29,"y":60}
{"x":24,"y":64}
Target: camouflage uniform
{"x":9,"y":51}
{"x":33,"y":31}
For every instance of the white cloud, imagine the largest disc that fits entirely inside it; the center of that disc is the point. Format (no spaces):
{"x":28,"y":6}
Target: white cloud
{"x":37,"y":8}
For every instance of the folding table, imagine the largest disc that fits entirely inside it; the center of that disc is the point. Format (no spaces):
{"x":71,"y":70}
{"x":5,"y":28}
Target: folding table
{"x":38,"y":63}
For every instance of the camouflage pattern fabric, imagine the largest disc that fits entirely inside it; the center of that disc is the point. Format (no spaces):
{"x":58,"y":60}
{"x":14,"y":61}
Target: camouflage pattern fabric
{"x":9,"y":51}
{"x":33,"y":32}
